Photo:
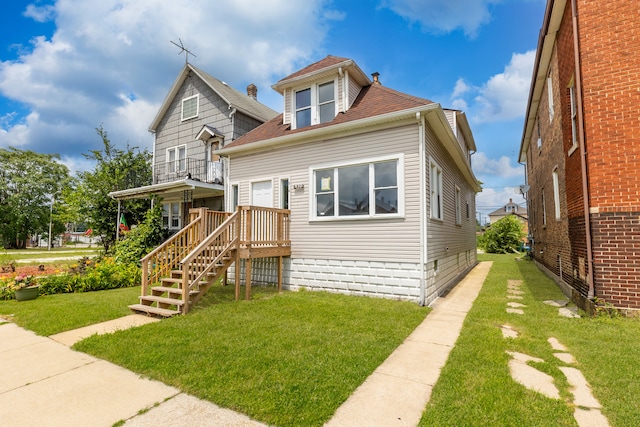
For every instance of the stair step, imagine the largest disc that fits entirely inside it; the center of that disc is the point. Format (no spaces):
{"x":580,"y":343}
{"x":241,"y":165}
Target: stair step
{"x":177,"y":281}
{"x":175,"y":291}
{"x":162,"y":300}
{"x":154,"y":310}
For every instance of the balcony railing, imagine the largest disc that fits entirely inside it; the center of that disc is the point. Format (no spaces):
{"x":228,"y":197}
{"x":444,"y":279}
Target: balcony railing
{"x":196,"y":169}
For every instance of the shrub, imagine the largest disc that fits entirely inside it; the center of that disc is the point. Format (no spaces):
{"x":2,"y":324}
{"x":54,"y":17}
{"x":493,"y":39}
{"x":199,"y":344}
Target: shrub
{"x":504,"y":236}
{"x":142,"y":239}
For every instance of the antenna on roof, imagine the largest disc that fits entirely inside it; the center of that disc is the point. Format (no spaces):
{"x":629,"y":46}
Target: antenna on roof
{"x":183,"y":49}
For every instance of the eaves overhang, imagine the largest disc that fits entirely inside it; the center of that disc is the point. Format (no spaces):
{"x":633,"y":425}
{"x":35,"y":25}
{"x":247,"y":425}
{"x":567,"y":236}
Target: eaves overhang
{"x":546,"y":42}
{"x":163,"y":189}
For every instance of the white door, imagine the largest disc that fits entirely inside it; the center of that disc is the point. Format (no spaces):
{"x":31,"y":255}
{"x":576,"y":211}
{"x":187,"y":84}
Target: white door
{"x":262,"y":194}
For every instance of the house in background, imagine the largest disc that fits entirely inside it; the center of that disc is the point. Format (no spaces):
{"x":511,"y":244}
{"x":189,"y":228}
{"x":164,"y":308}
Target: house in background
{"x":511,"y":209}
{"x":378,"y":183}
{"x":581,"y":146}
{"x":199,"y":115}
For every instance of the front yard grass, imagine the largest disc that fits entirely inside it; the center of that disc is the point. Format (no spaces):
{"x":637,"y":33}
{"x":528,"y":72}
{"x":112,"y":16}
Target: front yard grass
{"x":475,"y":387}
{"x":50,"y":314}
{"x":285,"y":359}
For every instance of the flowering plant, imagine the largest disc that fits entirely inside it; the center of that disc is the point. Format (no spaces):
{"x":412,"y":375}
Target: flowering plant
{"x":21,"y":282}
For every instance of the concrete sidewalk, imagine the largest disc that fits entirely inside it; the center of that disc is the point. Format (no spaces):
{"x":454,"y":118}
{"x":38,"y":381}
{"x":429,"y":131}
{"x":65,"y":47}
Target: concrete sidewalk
{"x":398,"y":390}
{"x":45,"y":383}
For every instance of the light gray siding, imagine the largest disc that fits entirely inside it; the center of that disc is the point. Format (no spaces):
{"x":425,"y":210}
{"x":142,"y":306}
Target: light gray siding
{"x":448,"y":242}
{"x":354,"y":89}
{"x":389,"y":240}
{"x":172,"y":131}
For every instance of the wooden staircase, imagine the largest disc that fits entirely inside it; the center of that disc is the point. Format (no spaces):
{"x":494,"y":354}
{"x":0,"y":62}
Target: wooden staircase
{"x":181,"y":270}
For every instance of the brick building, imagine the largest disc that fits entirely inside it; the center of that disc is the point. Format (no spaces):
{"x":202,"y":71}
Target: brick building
{"x":581,"y":147}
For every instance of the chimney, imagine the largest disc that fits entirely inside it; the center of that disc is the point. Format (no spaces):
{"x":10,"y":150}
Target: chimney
{"x":252,"y":91}
{"x":510,"y":200}
{"x":375,"y":78}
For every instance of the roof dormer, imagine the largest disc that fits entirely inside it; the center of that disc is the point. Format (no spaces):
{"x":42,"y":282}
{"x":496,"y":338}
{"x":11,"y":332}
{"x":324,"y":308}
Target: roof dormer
{"x":319,"y":92}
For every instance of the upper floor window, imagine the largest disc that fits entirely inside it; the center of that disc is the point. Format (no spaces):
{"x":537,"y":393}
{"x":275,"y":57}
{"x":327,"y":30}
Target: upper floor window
{"x":315,"y":105}
{"x":177,"y":159}
{"x":190,"y":107}
{"x":436,"y":191}
{"x":539,"y":132}
{"x":550,"y":96}
{"x":574,"y":117}
{"x":347,"y":190}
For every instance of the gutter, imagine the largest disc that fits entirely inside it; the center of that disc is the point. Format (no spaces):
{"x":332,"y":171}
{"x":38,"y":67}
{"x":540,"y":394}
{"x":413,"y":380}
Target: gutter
{"x":583,"y":150}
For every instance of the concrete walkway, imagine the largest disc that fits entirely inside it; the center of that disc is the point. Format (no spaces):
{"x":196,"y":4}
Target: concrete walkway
{"x":398,"y":390}
{"x":45,"y":383}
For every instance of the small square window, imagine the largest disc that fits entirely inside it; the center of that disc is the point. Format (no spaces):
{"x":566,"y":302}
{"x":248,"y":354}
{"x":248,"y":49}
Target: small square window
{"x":190,"y":107}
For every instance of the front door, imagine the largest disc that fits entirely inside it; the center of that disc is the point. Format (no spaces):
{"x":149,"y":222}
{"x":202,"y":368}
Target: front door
{"x":262,"y":194}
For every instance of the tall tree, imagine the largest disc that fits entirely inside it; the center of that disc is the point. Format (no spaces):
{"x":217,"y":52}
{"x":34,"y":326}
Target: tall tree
{"x":115,"y":170}
{"x":29,"y":182}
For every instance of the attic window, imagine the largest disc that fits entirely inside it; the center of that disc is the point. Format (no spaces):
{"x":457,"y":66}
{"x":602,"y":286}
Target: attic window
{"x":190,"y":107}
{"x":315,"y":104}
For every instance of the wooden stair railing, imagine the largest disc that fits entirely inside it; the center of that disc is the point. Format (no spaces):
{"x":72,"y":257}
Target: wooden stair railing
{"x":196,"y":257}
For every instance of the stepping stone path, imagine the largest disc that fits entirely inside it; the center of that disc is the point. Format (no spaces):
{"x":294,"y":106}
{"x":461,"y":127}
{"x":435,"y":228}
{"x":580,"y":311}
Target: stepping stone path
{"x":514,"y":292}
{"x":563,"y":310}
{"x":587,"y":409}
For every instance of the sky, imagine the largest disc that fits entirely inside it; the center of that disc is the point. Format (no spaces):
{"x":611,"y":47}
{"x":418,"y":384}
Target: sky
{"x":70,"y":66}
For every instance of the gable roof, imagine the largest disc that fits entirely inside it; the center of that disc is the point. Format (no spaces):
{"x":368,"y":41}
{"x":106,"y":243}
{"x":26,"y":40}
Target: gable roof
{"x":328,"y":65}
{"x":243,"y":103}
{"x":373,"y":100}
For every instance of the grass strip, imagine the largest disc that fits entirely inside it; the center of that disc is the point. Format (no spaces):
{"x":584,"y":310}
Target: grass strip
{"x":475,"y":387}
{"x":51,"y":314}
{"x":285,"y":359}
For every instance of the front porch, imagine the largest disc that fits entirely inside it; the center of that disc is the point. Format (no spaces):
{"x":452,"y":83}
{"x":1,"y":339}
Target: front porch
{"x":179,"y":272}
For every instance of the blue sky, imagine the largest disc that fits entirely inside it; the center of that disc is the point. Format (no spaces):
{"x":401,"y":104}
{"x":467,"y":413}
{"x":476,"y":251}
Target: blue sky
{"x":69,"y":66}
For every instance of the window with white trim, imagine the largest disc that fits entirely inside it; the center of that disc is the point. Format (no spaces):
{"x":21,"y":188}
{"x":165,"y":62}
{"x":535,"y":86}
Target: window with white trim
{"x":190,"y":107}
{"x":315,"y":105}
{"x":435,"y":183}
{"x":284,"y":193}
{"x":556,"y":193}
{"x":458,"y":206}
{"x":574,"y":117}
{"x":177,"y":159}
{"x":345,"y":191}
{"x":171,"y":217}
{"x":550,"y":96}
{"x":539,"y":132}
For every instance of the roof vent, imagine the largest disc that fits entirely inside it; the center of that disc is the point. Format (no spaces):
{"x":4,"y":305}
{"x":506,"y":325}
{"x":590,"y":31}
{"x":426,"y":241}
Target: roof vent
{"x":252,"y":91}
{"x":375,"y":78}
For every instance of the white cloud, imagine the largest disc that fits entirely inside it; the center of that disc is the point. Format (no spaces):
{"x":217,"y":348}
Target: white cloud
{"x":504,"y":96}
{"x":499,"y":168}
{"x":102,"y":49}
{"x":461,"y":88}
{"x":444,"y":16}
{"x":491,"y":199}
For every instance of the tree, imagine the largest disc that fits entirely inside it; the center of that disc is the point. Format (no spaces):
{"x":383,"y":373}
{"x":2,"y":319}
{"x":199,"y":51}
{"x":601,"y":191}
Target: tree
{"x":504,"y":236}
{"x":115,"y":170}
{"x":29,"y":182}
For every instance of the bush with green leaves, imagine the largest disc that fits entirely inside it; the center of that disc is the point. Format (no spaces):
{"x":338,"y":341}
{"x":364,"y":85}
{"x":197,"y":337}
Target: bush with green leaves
{"x":142,"y":239}
{"x":504,"y":236}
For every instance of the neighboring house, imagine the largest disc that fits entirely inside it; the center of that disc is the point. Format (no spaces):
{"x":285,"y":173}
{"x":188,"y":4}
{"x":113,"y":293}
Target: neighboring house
{"x":511,"y":209}
{"x":378,"y":183}
{"x":581,"y":146}
{"x":199,"y":115}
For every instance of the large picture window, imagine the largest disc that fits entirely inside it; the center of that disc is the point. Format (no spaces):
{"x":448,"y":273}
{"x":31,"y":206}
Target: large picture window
{"x":368,"y":189}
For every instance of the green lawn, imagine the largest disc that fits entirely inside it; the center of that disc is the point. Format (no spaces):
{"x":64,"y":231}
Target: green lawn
{"x":50,"y":314}
{"x":476,"y":389}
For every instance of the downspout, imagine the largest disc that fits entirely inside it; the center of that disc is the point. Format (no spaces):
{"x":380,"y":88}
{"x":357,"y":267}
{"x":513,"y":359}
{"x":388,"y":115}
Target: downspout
{"x":423,"y":221}
{"x":232,"y":116}
{"x":583,"y":150}
{"x":343,"y":90}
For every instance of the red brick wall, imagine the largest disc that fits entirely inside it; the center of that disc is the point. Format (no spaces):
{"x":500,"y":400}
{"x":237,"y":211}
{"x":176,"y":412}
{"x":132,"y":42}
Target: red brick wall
{"x":610,"y":55}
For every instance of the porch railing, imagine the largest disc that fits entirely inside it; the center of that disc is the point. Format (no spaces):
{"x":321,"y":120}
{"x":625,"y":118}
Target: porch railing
{"x":197,"y":169}
{"x":166,"y":257}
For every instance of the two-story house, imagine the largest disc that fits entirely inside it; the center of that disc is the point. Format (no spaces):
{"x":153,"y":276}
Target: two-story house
{"x":199,"y":115}
{"x":581,"y":147}
{"x":511,"y":208}
{"x":378,"y":183}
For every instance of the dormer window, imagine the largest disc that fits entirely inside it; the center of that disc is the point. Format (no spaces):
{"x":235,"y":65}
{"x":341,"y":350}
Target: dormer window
{"x":315,"y":105}
{"x":190,"y":107}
